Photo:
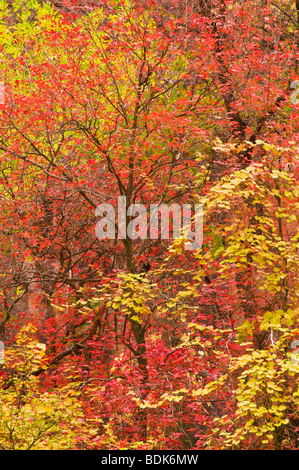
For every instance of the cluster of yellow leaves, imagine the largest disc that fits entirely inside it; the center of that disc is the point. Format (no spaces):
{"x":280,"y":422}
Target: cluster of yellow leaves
{"x":266,"y":394}
{"x":31,"y":419}
{"x":128,"y":293}
{"x":259,"y":238}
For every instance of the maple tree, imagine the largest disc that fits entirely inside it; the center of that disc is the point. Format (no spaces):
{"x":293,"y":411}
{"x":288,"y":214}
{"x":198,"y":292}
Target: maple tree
{"x":152,"y":346}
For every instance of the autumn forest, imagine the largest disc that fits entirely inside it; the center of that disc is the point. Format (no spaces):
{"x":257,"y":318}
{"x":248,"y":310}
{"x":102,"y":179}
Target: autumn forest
{"x":131,"y":341}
